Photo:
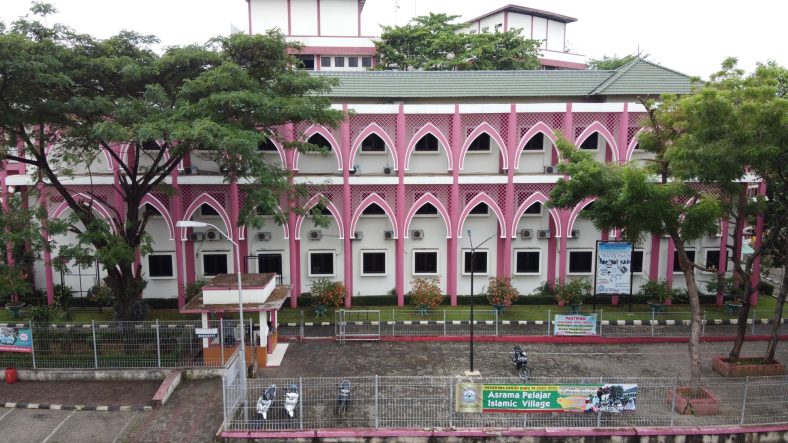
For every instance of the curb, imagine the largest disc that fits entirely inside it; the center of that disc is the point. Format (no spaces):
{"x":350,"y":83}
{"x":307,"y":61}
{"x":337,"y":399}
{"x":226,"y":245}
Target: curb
{"x":716,"y":321}
{"x":55,"y":407}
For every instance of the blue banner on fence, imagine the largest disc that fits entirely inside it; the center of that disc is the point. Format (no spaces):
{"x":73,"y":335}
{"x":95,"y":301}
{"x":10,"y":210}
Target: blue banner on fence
{"x":14,"y":339}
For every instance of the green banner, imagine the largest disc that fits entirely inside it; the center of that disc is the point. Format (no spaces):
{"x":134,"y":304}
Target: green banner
{"x":545,"y":398}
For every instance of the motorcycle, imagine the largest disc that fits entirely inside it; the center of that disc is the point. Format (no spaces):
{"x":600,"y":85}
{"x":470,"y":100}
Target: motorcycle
{"x":344,"y":396}
{"x":520,"y":361}
{"x":291,"y":399}
{"x":265,"y":401}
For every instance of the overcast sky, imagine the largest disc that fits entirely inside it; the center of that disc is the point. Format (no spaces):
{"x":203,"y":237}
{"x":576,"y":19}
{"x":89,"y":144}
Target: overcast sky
{"x":689,"y":36}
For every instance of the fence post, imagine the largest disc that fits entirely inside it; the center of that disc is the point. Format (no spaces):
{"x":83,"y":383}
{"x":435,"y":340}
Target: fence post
{"x":32,"y":344}
{"x":158,"y":344}
{"x":703,"y":323}
{"x":601,"y":315}
{"x":221,"y":340}
{"x":496,"y":321}
{"x":744,"y":399}
{"x":652,"y":322}
{"x":548,"y":322}
{"x":95,"y":348}
{"x":444,"y":322}
{"x":753,"y":322}
{"x":300,"y":403}
{"x":393,"y":322}
{"x":377,"y":406}
{"x":451,"y":401}
{"x":224,"y":402}
{"x":301,"y":325}
{"x":673,"y":394}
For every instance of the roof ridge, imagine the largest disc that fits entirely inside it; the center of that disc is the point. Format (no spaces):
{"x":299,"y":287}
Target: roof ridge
{"x":615,"y":75}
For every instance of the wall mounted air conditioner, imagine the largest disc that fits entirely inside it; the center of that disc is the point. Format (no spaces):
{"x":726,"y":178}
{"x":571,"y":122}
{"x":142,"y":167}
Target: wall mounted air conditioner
{"x":543,"y":233}
{"x":197,"y":236}
{"x":358,"y":235}
{"x":354,"y":169}
{"x":417,"y":234}
{"x":388,"y":235}
{"x":264,"y":236}
{"x":575,"y":233}
{"x":315,"y":235}
{"x":526,"y":234}
{"x":212,"y":235}
{"x":550,"y":170}
{"x":387,"y":170}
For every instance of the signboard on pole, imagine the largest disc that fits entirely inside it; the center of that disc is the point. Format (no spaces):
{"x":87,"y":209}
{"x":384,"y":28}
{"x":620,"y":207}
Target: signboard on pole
{"x":575,"y":324}
{"x":613,"y":268}
{"x":13,"y":339}
{"x":207,"y":332}
{"x":612,"y":398}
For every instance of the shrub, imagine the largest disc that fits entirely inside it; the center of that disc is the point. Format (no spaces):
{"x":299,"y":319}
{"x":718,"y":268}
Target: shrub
{"x":43,"y":313}
{"x":731,"y":288}
{"x":571,"y":292}
{"x":501,"y":292}
{"x":656,"y":291}
{"x":328,"y":293}
{"x":426,"y":292}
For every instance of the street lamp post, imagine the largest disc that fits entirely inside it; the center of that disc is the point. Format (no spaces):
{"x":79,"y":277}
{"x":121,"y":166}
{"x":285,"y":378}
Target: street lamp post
{"x":196,"y":224}
{"x":473,"y":269}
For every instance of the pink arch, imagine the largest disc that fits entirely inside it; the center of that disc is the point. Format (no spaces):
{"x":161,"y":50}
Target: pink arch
{"x":481,"y":198}
{"x":156,"y":203}
{"x":429,"y":198}
{"x":374,"y":198}
{"x":318,"y":129}
{"x":331,"y":208}
{"x":210,"y":201}
{"x":429,"y":128}
{"x":535,"y":129}
{"x":602,"y":130}
{"x":98,"y":207}
{"x":280,"y":150}
{"x":484,"y":127}
{"x":632,"y":144}
{"x":107,"y":157}
{"x":373,"y":128}
{"x":576,"y":212}
{"x":533,"y":198}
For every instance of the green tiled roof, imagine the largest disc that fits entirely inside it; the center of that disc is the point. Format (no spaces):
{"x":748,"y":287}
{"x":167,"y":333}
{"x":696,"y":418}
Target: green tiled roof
{"x":636,"y":78}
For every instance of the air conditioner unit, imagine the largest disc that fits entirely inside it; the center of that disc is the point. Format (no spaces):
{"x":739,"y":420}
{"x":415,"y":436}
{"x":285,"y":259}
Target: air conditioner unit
{"x":264,"y":236}
{"x":191,"y":170}
{"x":417,"y":234}
{"x":388,"y":235}
{"x":550,"y":170}
{"x":387,"y":170}
{"x":575,"y":233}
{"x":526,"y":234}
{"x":212,"y":235}
{"x":354,"y":169}
{"x":543,"y":233}
{"x":315,"y":235}
{"x":358,"y":235}
{"x":197,"y":236}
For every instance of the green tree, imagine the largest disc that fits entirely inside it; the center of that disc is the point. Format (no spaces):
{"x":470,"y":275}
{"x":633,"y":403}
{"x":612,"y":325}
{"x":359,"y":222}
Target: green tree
{"x":737,"y":123}
{"x":610,"y":63}
{"x":85,"y":95}
{"x":628,"y":197}
{"x":434,"y":43}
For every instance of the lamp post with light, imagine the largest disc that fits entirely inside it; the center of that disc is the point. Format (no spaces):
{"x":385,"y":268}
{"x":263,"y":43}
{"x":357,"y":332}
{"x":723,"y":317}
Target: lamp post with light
{"x":473,"y":268}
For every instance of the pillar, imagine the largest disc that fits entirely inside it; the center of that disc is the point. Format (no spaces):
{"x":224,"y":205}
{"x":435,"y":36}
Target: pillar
{"x":293,"y":243}
{"x":454,"y":211}
{"x":755,"y":277}
{"x":508,"y":208}
{"x":347,"y":208}
{"x":623,"y":129}
{"x":653,"y":267}
{"x":399,"y":243}
{"x":46,"y":253}
{"x":176,"y":211}
{"x":669,"y":270}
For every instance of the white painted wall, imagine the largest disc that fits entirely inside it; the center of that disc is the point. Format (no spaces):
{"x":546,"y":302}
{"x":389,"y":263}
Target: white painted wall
{"x":373,"y":227}
{"x":428,"y":162}
{"x":491,"y":21}
{"x":329,"y":242}
{"x":203,"y":160}
{"x":303,"y":17}
{"x":555,"y":35}
{"x":318,"y":163}
{"x":520,"y":21}
{"x":373,"y":163}
{"x":482,"y":226}
{"x":481,"y":162}
{"x":160,"y":287}
{"x":434,"y":239}
{"x":526,"y":283}
{"x":540,"y":29}
{"x":338,"y":17}
{"x":533,"y":162}
{"x":269,"y":14}
{"x":277,"y":245}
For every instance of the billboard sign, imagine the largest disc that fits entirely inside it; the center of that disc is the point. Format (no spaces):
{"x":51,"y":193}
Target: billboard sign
{"x":611,"y":398}
{"x":613,"y":268}
{"x":575,"y":324}
{"x":13,"y":339}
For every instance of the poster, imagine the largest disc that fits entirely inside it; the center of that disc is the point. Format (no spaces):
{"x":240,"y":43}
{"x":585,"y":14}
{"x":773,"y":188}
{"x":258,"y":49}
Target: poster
{"x":575,"y":324}
{"x":16,"y":339}
{"x":610,"y":398}
{"x":613,"y":268}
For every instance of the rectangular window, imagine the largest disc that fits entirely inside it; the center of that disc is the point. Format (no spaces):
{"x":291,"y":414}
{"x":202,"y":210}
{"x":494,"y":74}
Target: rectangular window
{"x":526,"y":262}
{"x":712,"y":259}
{"x":267,"y":263}
{"x":214,"y":264}
{"x":321,"y":264}
{"x":352,"y":62}
{"x":690,"y":255}
{"x":160,"y":266}
{"x":425,"y":262}
{"x":581,"y":262}
{"x":339,"y":62}
{"x":373,"y":263}
{"x":637,"y":262}
{"x":479,"y":262}
{"x":366,"y":62}
{"x":307,"y":62}
{"x":325,"y":62}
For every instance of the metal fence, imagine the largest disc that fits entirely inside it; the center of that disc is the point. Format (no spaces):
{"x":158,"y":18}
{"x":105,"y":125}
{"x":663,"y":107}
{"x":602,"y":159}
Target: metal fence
{"x":428,"y":402}
{"x":111,"y":344}
{"x":452,"y":322}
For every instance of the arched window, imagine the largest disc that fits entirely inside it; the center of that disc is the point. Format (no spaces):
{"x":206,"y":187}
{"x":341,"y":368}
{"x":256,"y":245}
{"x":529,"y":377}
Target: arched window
{"x":480,"y":209}
{"x":373,"y":143}
{"x":428,"y":143}
{"x":151,"y":211}
{"x":373,"y":209}
{"x":536,"y":143}
{"x":534,"y":209}
{"x":591,"y":143}
{"x":427,"y":209}
{"x":266,"y":145}
{"x":481,"y":143}
{"x":319,"y":140}
{"x":207,"y":210}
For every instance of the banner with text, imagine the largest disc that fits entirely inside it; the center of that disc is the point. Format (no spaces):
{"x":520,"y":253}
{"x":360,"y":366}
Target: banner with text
{"x":575,"y":324}
{"x":613,"y":268}
{"x":612,"y":398}
{"x":14,"y":339}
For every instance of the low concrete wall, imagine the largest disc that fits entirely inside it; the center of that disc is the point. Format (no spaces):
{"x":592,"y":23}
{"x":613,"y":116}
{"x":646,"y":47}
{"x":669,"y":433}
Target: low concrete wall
{"x":167,"y":387}
{"x":111,"y":374}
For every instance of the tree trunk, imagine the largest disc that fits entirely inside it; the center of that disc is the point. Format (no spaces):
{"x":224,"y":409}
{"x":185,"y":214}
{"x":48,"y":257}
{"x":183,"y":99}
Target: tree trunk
{"x":127,"y":288}
{"x":695,"y":323}
{"x":741,"y":327}
{"x":744,"y":313}
{"x":778,"y":309}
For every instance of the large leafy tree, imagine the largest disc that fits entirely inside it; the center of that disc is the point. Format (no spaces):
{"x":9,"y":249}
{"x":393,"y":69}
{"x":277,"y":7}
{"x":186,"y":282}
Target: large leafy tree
{"x":737,"y":123}
{"x":434,"y":43}
{"x":612,"y":62}
{"x":87,"y":96}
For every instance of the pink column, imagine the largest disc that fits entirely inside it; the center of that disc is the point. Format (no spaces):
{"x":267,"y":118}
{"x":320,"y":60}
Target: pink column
{"x":755,"y":278}
{"x":191,"y":269}
{"x":176,"y":210}
{"x":347,"y":209}
{"x":653,"y":268}
{"x":562,"y":254}
{"x":235,"y":228}
{"x":4,"y":198}
{"x":508,"y":208}
{"x":399,"y":244}
{"x":294,"y":245}
{"x":454,"y":203}
{"x":551,"y":252}
{"x":46,"y":253}
{"x":623,"y":129}
{"x":722,"y":265}
{"x":669,"y":271}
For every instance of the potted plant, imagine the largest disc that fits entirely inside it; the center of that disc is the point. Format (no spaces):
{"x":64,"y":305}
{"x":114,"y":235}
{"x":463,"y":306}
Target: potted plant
{"x":656,"y":292}
{"x":326,"y":293}
{"x":425,"y":294}
{"x":501,"y":293}
{"x":570,"y":294}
